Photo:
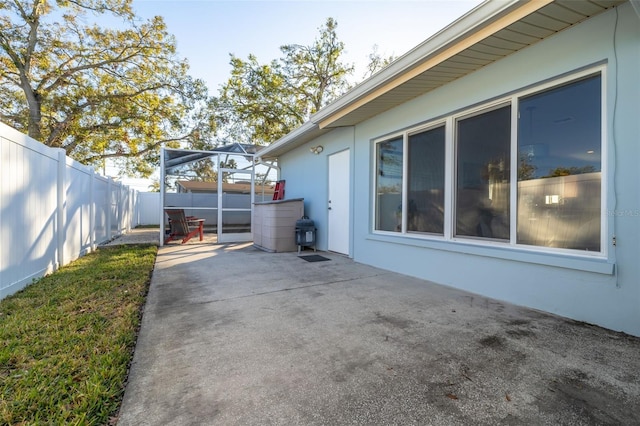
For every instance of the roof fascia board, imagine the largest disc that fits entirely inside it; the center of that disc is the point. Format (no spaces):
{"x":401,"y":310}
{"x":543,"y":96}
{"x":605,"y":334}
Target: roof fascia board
{"x":471,"y":28}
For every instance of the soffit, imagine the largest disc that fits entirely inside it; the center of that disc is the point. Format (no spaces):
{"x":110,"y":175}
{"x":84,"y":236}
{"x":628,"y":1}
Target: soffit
{"x":540,"y":24}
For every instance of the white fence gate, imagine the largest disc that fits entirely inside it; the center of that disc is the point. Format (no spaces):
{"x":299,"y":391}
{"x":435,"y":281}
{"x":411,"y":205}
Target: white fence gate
{"x":52,"y":209}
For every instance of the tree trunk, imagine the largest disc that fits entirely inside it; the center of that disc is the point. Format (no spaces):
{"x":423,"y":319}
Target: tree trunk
{"x":35,"y":116}
{"x":34,"y":100}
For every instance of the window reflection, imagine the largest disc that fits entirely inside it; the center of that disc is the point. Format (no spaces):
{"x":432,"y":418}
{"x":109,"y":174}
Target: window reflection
{"x":483,"y":159}
{"x":559,"y":181}
{"x":389,"y":185}
{"x":559,"y":167}
{"x":425,"y":206}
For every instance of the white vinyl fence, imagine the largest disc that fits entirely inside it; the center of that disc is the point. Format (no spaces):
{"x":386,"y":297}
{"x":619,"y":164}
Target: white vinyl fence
{"x":149,"y":208}
{"x":52,"y":209}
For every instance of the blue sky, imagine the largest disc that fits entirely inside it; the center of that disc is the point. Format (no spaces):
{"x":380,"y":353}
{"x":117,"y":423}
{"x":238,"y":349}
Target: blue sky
{"x":207,"y":31}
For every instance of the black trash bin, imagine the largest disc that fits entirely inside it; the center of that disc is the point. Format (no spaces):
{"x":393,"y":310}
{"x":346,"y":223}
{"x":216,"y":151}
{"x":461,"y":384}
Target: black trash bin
{"x":305,"y":233}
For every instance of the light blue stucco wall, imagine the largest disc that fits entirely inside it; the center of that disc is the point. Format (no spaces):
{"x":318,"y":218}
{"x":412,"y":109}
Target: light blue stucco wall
{"x":306,"y":176}
{"x":603,"y":291}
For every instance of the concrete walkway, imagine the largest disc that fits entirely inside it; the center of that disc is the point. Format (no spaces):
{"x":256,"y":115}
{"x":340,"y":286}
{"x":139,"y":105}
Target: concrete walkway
{"x":235,"y":336}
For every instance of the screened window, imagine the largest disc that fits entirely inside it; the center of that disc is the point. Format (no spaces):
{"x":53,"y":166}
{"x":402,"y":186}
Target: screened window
{"x":483,"y":158}
{"x":425,"y":193}
{"x":389,"y":164}
{"x":559,"y":167}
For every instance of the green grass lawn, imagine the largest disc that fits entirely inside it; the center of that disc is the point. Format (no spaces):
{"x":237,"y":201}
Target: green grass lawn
{"x":68,"y":339}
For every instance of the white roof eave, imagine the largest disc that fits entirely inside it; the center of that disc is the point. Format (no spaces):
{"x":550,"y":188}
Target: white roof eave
{"x":460,"y":28}
{"x":473,"y":21}
{"x":283,"y":143}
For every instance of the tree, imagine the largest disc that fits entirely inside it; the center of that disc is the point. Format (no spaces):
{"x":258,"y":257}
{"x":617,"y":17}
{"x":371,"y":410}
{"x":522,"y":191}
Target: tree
{"x":255,"y":105}
{"x":97,"y":92}
{"x":229,"y":164}
{"x":262,"y":102}
{"x":377,"y":62}
{"x":526,"y":170}
{"x":315,"y":74}
{"x":573,"y":170}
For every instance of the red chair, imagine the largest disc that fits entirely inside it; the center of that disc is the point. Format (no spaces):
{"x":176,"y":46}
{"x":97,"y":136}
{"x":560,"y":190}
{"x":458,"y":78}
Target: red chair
{"x":278,"y":192}
{"x":182,"y":226}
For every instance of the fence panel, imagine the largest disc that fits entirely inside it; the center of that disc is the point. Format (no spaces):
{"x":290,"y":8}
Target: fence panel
{"x":148,"y":208}
{"x":52,"y":210}
{"x":28,"y":211}
{"x":77,"y":211}
{"x":101,"y":207}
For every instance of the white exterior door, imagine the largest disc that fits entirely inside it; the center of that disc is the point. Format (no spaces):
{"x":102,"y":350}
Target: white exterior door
{"x":339,"y":202}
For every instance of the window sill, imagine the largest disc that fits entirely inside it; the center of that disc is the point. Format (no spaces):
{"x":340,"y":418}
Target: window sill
{"x":588,"y":263}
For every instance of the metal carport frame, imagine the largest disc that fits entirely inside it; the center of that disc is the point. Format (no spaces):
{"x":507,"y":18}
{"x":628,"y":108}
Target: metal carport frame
{"x":173,"y":159}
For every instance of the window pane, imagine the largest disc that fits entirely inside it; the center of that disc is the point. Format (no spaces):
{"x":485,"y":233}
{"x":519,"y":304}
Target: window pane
{"x":425,"y":209}
{"x":483,"y":158}
{"x":559,"y":165}
{"x":389,"y":185}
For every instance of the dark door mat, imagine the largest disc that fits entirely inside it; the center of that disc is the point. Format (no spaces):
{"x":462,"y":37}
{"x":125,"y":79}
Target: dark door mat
{"x":314,"y":258}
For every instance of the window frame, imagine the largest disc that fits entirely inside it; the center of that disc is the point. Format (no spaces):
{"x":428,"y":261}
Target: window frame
{"x":450,"y":121}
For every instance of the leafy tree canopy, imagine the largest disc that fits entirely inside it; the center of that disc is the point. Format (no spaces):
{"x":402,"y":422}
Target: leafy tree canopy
{"x":262,"y":102}
{"x":98,"y":92}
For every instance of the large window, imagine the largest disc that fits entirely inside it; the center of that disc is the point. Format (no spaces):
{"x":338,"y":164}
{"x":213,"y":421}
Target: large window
{"x":425,"y":204}
{"x":557,"y":144}
{"x":482,"y":181}
{"x":559,"y":167}
{"x":389,"y":160}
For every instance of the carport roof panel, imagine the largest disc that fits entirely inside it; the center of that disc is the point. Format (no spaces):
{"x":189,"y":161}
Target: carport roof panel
{"x":175,"y":158}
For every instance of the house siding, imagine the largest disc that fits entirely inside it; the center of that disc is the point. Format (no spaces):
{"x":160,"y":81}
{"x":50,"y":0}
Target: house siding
{"x":599,"y":290}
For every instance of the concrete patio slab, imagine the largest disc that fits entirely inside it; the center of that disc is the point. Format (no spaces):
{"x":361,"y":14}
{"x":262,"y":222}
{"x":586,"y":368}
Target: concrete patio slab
{"x":236,"y":336}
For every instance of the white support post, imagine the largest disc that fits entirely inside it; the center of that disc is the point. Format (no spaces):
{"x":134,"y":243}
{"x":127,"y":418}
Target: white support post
{"x":162,"y":189}
{"x":220,"y":175}
{"x":253,"y":191}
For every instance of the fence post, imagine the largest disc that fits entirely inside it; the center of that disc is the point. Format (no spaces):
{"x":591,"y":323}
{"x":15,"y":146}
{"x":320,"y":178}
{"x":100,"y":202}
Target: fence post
{"x":133,"y":211}
{"x":108,"y":202}
{"x":118,"y":207}
{"x":92,"y":210}
{"x":60,"y":205}
{"x":135,"y":218}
